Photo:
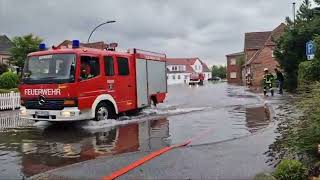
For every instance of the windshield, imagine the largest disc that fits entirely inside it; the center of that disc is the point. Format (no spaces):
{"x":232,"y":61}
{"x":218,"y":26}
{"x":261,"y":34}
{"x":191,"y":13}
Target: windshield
{"x":54,"y":68}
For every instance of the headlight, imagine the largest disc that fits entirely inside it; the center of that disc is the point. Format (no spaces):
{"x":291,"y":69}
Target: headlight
{"x":23,"y":111}
{"x":67,"y":113}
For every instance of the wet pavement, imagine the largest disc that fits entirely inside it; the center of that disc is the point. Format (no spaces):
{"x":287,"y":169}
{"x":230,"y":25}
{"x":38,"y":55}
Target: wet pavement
{"x":230,"y":112}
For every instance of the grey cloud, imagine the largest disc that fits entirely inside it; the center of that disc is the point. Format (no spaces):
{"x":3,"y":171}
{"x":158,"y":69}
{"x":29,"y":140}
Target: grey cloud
{"x":208,"y":29}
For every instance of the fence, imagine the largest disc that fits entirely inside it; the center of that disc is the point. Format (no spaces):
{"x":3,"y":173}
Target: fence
{"x":11,"y":120}
{"x":9,"y":101}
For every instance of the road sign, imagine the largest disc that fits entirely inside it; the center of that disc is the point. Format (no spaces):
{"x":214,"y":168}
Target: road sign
{"x":310,"y":50}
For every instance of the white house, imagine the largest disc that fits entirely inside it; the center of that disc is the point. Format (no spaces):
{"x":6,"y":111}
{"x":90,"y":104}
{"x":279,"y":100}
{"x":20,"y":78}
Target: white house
{"x":180,"y":69}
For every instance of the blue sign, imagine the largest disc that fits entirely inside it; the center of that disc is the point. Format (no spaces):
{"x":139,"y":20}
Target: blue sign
{"x":310,"y":50}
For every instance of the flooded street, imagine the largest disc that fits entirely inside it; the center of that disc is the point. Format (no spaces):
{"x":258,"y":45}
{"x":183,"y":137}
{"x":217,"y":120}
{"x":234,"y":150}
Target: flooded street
{"x":28,"y":148}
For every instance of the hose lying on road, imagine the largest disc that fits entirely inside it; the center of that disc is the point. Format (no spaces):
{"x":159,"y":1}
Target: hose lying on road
{"x":152,"y":155}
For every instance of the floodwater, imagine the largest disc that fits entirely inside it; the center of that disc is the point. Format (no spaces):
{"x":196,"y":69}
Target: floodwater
{"x":28,"y":148}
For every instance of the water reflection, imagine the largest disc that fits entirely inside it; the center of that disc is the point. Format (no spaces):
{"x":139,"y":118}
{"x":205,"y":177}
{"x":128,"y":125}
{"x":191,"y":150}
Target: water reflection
{"x":58,"y":145}
{"x":257,"y":118}
{"x":229,"y":111}
{"x":11,"y":120}
{"x":251,"y":119}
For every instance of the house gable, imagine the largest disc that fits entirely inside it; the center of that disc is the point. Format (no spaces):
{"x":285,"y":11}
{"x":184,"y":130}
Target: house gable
{"x":263,"y":60}
{"x":197,"y":66}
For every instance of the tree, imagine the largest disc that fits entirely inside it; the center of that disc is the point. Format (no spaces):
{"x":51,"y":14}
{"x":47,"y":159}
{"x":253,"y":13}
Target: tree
{"x":241,"y":60}
{"x":22,"y":46}
{"x":290,"y":48}
{"x":219,"y":71}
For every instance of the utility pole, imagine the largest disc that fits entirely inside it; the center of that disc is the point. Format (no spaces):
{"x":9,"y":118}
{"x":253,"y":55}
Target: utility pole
{"x":294,"y":12}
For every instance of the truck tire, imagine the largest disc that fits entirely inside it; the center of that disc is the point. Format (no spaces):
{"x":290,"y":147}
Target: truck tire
{"x":104,"y":112}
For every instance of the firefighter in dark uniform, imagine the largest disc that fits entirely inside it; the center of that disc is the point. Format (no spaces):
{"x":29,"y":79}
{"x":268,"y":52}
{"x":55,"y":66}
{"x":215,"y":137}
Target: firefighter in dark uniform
{"x":268,"y":79}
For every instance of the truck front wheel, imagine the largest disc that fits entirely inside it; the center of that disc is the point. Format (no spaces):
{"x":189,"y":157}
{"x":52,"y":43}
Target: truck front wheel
{"x":104,"y":112}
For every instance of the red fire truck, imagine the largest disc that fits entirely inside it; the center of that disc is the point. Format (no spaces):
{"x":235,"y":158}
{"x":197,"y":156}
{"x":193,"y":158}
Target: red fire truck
{"x":78,"y":83}
{"x":196,"y":78}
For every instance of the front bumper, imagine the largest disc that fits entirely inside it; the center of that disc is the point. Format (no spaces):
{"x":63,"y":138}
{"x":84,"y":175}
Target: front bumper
{"x":67,"y":114}
{"x":194,"y":81}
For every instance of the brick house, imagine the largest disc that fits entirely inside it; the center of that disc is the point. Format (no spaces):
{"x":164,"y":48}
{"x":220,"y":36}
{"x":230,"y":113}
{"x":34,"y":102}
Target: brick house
{"x":180,"y":69}
{"x":5,"y":45}
{"x":234,"y":73}
{"x":258,"y":51}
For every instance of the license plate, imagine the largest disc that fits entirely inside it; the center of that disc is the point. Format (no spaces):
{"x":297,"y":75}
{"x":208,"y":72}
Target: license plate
{"x":42,"y":113}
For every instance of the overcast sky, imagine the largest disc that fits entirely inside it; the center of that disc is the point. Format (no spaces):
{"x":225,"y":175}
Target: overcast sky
{"x":208,"y":29}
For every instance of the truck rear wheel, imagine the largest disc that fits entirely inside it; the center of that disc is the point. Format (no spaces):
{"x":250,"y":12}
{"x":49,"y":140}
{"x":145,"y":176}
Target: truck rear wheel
{"x":104,"y":112}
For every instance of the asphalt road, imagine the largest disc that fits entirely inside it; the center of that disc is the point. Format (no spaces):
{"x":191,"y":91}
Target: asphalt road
{"x":239,"y":134}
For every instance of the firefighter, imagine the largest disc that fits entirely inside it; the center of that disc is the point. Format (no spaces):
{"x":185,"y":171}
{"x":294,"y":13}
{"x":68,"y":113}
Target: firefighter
{"x":249,"y":79}
{"x":85,"y":71}
{"x":267,"y":82}
{"x":280,"y":80}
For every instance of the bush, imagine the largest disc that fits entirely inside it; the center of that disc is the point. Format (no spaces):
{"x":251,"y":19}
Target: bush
{"x":9,"y":80}
{"x":309,"y":71}
{"x":9,"y":90}
{"x":3,"y":68}
{"x":290,"y":170}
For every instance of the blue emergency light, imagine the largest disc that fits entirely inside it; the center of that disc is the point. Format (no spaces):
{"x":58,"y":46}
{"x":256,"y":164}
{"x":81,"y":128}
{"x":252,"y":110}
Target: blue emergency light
{"x":75,"y":44}
{"x":42,"y":46}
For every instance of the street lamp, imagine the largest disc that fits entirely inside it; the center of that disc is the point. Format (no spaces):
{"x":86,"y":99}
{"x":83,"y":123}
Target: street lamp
{"x":108,"y":22}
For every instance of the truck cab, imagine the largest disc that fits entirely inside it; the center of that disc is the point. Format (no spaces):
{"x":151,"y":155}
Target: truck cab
{"x":70,"y":84}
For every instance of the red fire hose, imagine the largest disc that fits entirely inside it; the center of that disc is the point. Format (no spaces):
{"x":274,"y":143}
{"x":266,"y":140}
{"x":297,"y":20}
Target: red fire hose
{"x":150,"y":156}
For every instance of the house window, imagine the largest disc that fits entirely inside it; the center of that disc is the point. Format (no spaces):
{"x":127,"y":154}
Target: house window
{"x":173,"y":77}
{"x":233,"y":61}
{"x":233,"y":75}
{"x":174,"y":68}
{"x":179,"y":77}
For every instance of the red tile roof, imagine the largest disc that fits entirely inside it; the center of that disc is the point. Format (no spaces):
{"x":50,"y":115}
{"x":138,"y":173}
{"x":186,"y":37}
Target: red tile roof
{"x":205,"y":68}
{"x":187,"y":62}
{"x":256,"y":40}
{"x":275,"y":35}
{"x":181,"y":61}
